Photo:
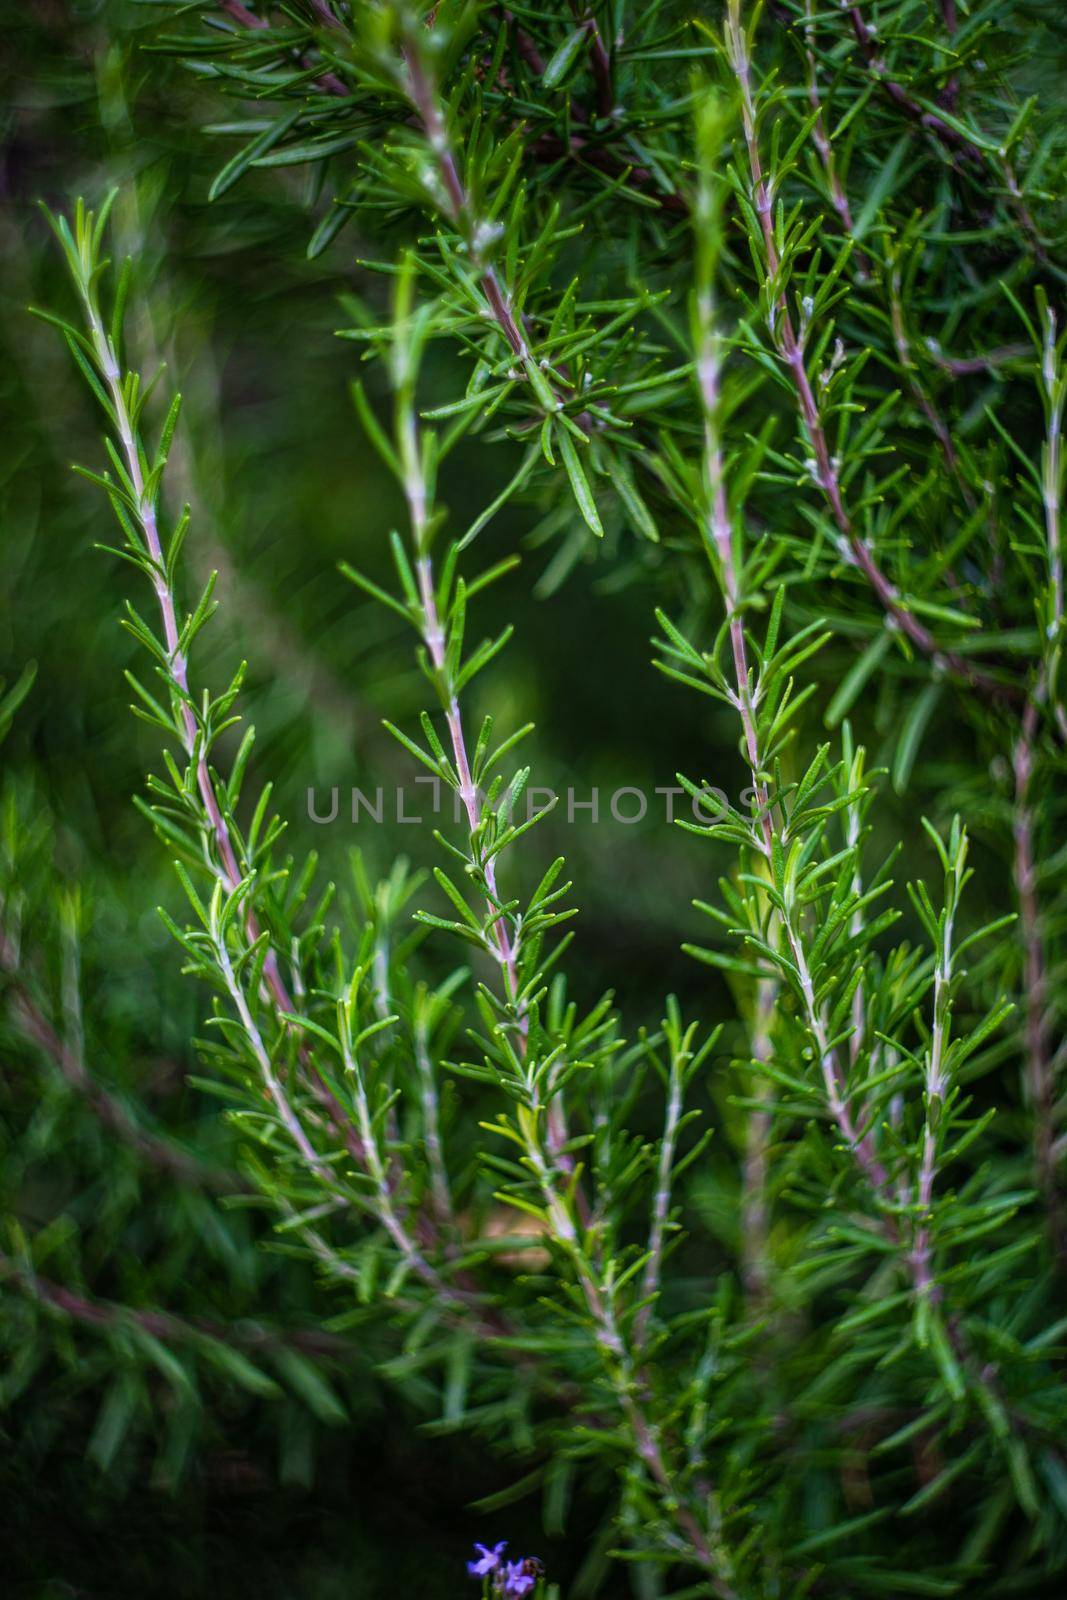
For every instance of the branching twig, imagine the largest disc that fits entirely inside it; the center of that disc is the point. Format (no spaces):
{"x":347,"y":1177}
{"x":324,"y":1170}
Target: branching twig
{"x":790,"y":347}
{"x":165,"y":1325}
{"x":36,"y":1028}
{"x":950,"y":134}
{"x":1039,"y":1065}
{"x":821,"y":140}
{"x":249,"y":19}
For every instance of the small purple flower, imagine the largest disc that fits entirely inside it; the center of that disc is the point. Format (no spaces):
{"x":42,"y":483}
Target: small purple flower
{"x":517,"y":1580}
{"x":488,"y":1561}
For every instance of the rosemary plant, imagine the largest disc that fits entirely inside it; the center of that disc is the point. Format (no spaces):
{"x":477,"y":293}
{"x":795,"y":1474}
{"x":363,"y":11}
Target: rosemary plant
{"x":762,"y":312}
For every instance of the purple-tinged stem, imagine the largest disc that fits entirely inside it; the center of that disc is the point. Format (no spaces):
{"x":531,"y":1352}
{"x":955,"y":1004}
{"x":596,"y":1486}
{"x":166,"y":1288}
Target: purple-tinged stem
{"x":821,"y":140}
{"x":428,"y":109}
{"x":967,"y":366}
{"x":953,"y":138}
{"x":377,"y":1170}
{"x":249,"y":19}
{"x":860,"y":1144}
{"x":434,"y":639}
{"x":286,"y":650}
{"x":853,"y":832}
{"x":950,"y":93}
{"x":506,"y":941}
{"x":289,"y":1119}
{"x":769,"y":816}
{"x":1039,"y":1064}
{"x":630,"y":1382}
{"x":242,"y":14}
{"x":35,"y":1027}
{"x":791,"y":350}
{"x":949,"y":134}
{"x":164,"y":1325}
{"x":227,"y":871}
{"x":922,"y":397}
{"x":754,"y":1218}
{"x":721,"y":533}
{"x":1051,"y":473}
{"x":935,"y":1087}
{"x":457,"y":207}
{"x":661,"y":1202}
{"x":600,"y":60}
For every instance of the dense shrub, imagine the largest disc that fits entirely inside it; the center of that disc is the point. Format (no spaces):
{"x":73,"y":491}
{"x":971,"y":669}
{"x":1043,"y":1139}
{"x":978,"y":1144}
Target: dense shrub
{"x":746,"y":1277}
